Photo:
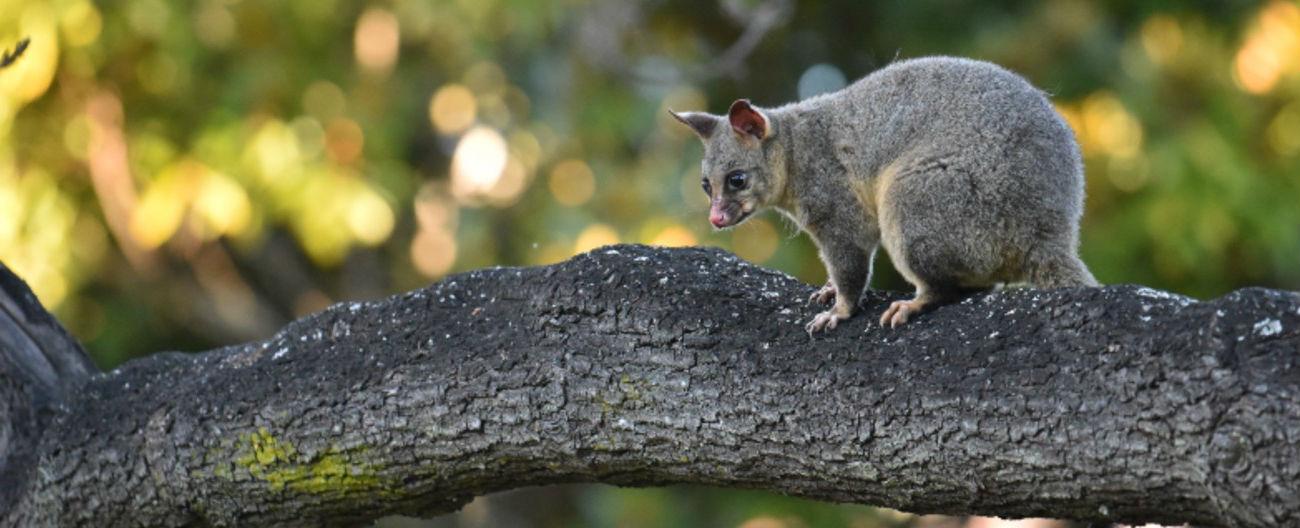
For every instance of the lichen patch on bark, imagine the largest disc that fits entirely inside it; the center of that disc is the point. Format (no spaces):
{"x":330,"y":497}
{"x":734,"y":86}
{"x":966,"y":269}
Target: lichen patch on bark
{"x":281,"y":466}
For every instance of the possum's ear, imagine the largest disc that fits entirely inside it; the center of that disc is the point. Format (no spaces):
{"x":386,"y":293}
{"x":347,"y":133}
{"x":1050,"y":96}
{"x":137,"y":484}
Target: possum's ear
{"x":747,"y":120}
{"x":703,"y":124}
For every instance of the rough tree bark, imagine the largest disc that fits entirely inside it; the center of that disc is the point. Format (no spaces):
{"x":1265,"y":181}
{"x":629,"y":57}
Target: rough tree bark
{"x":641,"y":366}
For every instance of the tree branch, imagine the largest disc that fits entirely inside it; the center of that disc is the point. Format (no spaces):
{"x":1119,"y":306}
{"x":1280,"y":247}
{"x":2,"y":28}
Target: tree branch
{"x":642,"y":366}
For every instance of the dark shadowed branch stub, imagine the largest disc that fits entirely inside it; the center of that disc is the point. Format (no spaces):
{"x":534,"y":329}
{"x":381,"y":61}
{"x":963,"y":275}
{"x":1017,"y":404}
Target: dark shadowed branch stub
{"x":9,"y":57}
{"x":643,"y":366}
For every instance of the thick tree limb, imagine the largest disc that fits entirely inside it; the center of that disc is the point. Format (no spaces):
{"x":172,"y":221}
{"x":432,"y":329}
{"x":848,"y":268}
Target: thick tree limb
{"x":40,"y":365}
{"x":643,"y":366}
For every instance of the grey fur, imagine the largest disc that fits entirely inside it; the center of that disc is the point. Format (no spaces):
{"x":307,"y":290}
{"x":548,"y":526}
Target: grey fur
{"x":960,"y":168}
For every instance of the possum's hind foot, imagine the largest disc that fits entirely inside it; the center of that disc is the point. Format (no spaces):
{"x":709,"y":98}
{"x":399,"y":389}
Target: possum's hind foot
{"x":900,"y":311}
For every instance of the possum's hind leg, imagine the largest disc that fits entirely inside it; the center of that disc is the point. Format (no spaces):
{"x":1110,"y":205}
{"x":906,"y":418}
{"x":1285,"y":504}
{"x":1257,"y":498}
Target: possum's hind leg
{"x":930,"y":248}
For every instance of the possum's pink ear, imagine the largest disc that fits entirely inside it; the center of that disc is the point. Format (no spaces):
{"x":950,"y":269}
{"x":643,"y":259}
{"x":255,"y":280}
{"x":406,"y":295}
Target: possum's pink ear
{"x":747,"y":120}
{"x":702,"y":123}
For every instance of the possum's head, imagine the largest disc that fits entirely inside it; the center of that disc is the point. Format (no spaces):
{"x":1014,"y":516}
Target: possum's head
{"x":737,"y":171}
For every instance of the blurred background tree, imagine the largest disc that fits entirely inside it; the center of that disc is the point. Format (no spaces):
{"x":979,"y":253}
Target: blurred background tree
{"x":188,"y":174}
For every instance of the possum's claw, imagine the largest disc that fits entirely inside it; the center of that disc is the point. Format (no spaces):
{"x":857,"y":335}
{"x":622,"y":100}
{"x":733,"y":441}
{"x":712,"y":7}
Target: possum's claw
{"x":824,"y":295}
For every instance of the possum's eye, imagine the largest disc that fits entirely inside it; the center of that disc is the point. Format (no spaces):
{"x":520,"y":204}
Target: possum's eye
{"x":737,"y":180}
{"x":708,"y":188}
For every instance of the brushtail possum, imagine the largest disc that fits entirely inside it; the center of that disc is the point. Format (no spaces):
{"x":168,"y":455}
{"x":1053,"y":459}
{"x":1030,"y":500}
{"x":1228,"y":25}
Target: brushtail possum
{"x":961,"y":169}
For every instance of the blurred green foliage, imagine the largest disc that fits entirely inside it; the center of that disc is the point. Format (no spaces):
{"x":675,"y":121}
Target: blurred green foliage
{"x":181,"y":175}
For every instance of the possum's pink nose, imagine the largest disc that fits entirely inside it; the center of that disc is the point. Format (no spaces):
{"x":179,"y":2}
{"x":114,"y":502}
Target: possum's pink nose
{"x":717,"y":218}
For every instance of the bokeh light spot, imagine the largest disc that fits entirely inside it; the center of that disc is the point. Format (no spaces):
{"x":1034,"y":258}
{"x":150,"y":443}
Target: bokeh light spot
{"x":1271,"y":48}
{"x":514,"y":179}
{"x":477,"y":164}
{"x":572,"y":182}
{"x":764,"y":521}
{"x":1162,"y":38}
{"x":376,"y":40}
{"x":452,"y":109}
{"x":674,"y":236}
{"x":433,"y":210}
{"x":159,"y":213}
{"x":324,"y":200}
{"x":81,"y":24}
{"x":433,"y":252}
{"x":37,"y":231}
{"x":223,"y":205}
{"x":344,"y":141}
{"x":549,"y":253}
{"x":1279,"y":25}
{"x":1108,"y":126}
{"x":594,"y":236}
{"x":1257,"y":67}
{"x":214,"y":24}
{"x":820,"y":79}
{"x":149,"y":17}
{"x":274,"y":150}
{"x":50,"y":286}
{"x":310,"y":136}
{"x":324,"y":100}
{"x":369,"y":217}
{"x":525,"y":147}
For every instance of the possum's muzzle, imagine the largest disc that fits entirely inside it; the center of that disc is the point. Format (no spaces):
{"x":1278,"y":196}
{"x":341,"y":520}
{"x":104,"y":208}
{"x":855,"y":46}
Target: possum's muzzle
{"x":727,"y":216}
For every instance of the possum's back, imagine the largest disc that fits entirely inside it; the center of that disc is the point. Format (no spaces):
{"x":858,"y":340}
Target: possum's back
{"x":999,"y":128}
{"x":946,"y":86}
{"x":949,"y":103}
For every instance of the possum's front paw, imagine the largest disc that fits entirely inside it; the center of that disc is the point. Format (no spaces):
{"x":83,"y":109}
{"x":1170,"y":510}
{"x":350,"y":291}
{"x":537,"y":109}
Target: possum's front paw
{"x":826,"y":320}
{"x":823,"y":296}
